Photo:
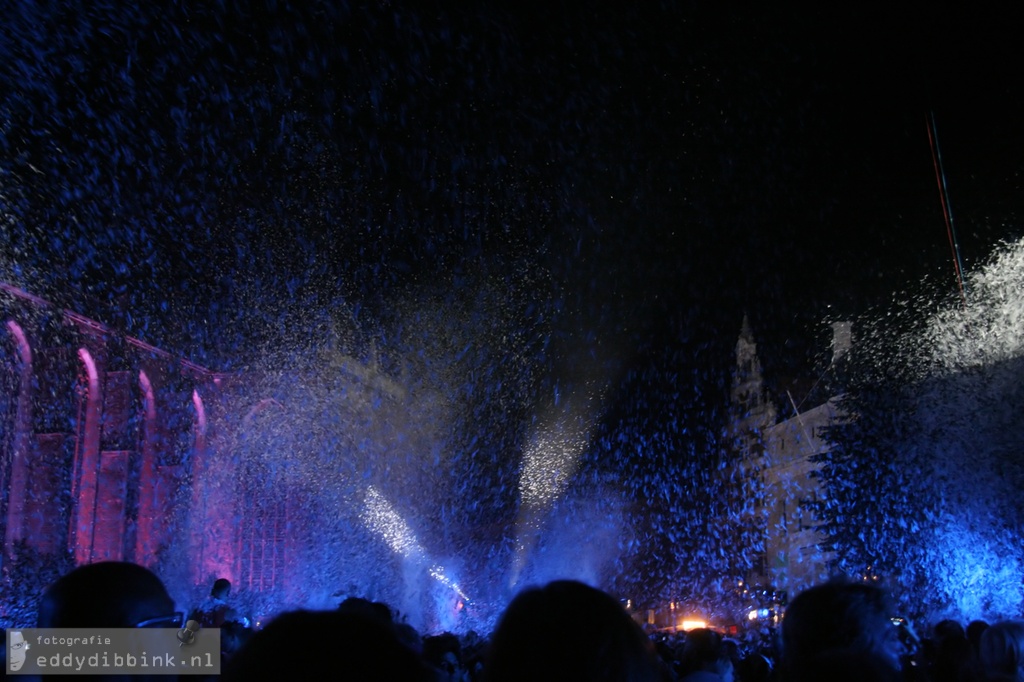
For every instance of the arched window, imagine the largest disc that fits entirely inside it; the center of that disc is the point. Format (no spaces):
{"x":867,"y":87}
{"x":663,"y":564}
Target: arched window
{"x":85,"y":476}
{"x":17,"y":428}
{"x":212,"y":524}
{"x":146,"y":520}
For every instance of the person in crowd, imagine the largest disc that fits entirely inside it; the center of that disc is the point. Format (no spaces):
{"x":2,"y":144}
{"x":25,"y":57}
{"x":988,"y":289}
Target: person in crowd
{"x":951,"y":654}
{"x":840,"y":630}
{"x":705,"y":658}
{"x":974,"y":631}
{"x":371,"y":609}
{"x":665,"y":650}
{"x":233,"y":636}
{"x":1001,"y":652}
{"x":108,"y":594}
{"x":215,"y":611}
{"x":948,"y":629}
{"x":313,"y":645}
{"x":754,"y":667}
{"x":410,"y":637}
{"x":474,"y":648}
{"x":444,"y":653}
{"x":568,"y":631}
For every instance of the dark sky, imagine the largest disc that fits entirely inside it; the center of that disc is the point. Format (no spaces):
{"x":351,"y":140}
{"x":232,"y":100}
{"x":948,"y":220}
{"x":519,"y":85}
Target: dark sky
{"x":670,"y":166}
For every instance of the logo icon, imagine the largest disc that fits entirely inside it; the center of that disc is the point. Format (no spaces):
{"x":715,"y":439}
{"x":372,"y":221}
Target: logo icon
{"x":17,"y":652}
{"x":187,"y":635}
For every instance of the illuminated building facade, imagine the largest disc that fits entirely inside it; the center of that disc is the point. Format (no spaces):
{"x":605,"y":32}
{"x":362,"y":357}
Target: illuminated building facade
{"x":776,"y":459}
{"x":112,"y":449}
{"x":101,"y":433}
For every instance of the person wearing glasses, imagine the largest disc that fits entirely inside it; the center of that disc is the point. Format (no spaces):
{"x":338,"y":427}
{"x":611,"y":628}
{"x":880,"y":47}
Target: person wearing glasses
{"x":19,"y":649}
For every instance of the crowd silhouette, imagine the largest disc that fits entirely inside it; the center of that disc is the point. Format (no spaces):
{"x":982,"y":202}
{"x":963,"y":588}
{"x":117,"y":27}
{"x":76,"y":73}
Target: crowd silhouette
{"x":564,"y":630}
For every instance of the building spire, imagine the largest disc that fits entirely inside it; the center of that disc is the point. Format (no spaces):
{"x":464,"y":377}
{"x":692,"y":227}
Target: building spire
{"x":750,"y":408}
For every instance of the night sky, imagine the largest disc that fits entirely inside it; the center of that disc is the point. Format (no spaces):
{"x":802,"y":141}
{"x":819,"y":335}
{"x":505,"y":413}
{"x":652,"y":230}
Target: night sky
{"x":201,"y":174}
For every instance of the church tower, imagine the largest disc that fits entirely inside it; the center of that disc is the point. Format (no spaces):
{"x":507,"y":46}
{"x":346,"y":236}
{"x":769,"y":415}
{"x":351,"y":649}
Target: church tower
{"x":751,"y":414}
{"x":750,"y":411}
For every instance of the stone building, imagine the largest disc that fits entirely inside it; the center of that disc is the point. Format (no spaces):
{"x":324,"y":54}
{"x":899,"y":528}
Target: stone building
{"x":112,"y":449}
{"x":776,"y":458}
{"x":100,"y":432}
{"x":751,"y":415}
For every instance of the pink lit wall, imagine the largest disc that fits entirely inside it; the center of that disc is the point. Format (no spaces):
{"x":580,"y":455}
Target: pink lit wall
{"x":87,"y":464}
{"x":19,"y":457}
{"x":100,"y":467}
{"x":147,"y":523}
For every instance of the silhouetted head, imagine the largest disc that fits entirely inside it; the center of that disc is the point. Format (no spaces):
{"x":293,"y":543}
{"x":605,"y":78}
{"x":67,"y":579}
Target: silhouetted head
{"x":436,"y":646}
{"x":754,"y":668}
{"x":702,"y":646}
{"x":1001,"y":651}
{"x":568,"y":631}
{"x":948,"y":629}
{"x":376,"y":610}
{"x":107,"y":594}
{"x":307,"y":645}
{"x":974,"y":630}
{"x":704,"y":649}
{"x":221,"y":588}
{"x":841,"y":621}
